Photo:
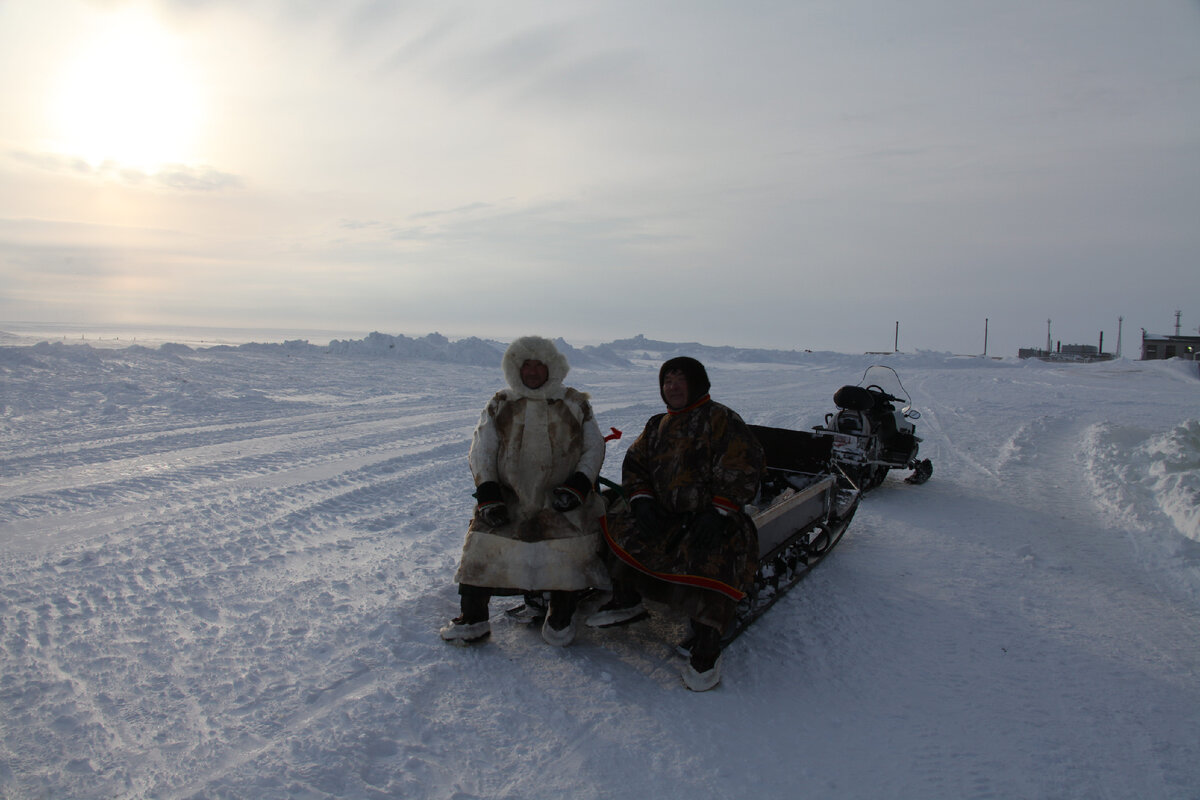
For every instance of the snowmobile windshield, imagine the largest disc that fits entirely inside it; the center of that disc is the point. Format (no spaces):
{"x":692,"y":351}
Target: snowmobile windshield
{"x":885,"y":379}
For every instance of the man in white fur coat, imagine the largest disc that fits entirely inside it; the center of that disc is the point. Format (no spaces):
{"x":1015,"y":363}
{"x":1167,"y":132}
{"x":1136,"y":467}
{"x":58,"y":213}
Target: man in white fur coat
{"x":535,"y":456}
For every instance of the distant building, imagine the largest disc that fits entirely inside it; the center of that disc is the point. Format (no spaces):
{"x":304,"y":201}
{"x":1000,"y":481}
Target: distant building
{"x":1155,"y":346}
{"x":1081,"y":351}
{"x":1066,"y":352}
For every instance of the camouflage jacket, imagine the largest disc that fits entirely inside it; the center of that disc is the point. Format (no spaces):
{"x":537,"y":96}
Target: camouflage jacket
{"x":692,"y":459}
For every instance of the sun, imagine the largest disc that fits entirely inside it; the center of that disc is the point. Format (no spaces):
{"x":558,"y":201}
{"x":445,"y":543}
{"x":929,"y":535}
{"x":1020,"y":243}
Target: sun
{"x":127,"y":97}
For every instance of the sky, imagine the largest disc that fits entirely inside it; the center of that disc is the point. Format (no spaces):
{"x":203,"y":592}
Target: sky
{"x":845,"y":176}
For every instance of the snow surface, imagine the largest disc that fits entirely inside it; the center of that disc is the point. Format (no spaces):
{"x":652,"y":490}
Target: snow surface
{"x":222,"y":572}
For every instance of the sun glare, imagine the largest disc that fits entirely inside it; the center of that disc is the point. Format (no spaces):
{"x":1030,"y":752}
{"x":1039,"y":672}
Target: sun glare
{"x":127,"y":97}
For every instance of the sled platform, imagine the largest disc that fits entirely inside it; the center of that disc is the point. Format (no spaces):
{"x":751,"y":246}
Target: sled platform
{"x":803,"y":509}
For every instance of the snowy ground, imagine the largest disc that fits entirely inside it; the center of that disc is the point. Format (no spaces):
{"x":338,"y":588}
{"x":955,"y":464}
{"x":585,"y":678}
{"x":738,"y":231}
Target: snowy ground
{"x":222,"y":572}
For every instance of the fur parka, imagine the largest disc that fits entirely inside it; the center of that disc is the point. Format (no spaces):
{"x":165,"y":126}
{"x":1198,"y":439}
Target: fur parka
{"x":689,"y":461}
{"x":531,"y":441}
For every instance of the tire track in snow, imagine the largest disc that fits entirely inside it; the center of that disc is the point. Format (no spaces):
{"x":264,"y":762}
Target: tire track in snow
{"x":203,"y":476}
{"x":282,"y":550}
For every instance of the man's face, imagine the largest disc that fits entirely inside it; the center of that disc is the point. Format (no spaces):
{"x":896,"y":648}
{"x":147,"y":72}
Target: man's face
{"x":675,"y":389}
{"x":534,"y":373}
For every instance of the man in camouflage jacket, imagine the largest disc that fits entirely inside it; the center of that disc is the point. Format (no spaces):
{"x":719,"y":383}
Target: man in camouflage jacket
{"x":686,"y":540}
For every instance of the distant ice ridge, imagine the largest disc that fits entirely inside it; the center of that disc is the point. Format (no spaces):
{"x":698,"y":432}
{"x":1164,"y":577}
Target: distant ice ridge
{"x":637,"y":350}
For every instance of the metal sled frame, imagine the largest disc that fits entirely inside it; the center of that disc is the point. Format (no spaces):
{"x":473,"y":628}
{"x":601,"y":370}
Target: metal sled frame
{"x":796,"y":531}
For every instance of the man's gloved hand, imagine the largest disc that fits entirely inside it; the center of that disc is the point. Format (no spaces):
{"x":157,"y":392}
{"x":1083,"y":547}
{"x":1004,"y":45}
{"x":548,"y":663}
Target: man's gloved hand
{"x":572,"y":493}
{"x":649,"y":515}
{"x":491,"y":508}
{"x":710,"y":529}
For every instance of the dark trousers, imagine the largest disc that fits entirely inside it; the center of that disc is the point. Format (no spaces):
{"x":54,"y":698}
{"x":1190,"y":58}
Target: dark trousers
{"x":706,"y":646}
{"x":473,"y":601}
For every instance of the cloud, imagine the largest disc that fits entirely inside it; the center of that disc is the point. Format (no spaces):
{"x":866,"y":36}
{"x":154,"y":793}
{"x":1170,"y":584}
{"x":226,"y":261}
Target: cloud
{"x":53,"y":162}
{"x":191,"y":179}
{"x":180,"y":177}
{"x":452,"y":211}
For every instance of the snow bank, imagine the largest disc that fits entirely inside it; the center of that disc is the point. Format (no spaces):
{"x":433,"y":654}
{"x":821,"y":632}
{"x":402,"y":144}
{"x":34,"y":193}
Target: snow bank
{"x":1150,"y":482}
{"x":1143,"y":476}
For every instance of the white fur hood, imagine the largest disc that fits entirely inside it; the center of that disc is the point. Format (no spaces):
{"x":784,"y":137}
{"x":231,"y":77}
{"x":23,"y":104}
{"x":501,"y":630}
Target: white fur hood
{"x":537,"y":348}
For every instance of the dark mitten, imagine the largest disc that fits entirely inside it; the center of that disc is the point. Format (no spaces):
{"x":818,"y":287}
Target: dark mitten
{"x":488,"y":492}
{"x":649,"y":515}
{"x":572,"y":493}
{"x":491,"y":508}
{"x":494,"y":514}
{"x":710,"y":530}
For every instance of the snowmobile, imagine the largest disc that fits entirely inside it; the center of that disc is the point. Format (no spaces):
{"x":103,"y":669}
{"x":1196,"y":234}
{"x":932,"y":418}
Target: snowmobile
{"x":871,"y":435}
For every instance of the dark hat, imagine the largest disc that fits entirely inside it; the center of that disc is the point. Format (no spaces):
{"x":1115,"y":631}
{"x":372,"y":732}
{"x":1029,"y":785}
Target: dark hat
{"x":693,"y":371}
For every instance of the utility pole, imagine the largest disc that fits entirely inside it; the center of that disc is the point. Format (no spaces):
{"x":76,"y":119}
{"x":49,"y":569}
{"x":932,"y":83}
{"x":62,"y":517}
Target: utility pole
{"x":1178,"y":314}
{"x":896,"y":345}
{"x":1049,"y":345}
{"x":985,"y":323}
{"x":1120,"y":322}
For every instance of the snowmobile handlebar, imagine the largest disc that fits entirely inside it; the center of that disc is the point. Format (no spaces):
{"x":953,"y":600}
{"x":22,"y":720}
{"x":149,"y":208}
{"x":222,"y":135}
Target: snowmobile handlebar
{"x":890,"y":398}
